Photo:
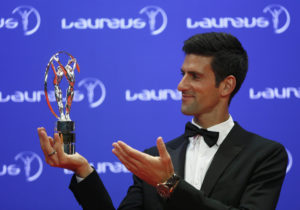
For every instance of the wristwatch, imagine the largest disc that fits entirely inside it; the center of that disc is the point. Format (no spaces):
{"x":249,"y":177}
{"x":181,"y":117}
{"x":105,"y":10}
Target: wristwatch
{"x":166,"y":188}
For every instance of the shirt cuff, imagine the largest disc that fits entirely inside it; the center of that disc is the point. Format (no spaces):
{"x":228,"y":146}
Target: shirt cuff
{"x":79,"y":179}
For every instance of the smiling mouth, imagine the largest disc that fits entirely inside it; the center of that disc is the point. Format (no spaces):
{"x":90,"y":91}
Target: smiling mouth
{"x":187,"y":96}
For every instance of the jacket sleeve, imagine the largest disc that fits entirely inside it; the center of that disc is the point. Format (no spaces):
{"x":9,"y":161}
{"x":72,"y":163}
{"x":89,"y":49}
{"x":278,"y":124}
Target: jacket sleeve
{"x":91,"y":193}
{"x":262,"y":190}
{"x":134,"y":197}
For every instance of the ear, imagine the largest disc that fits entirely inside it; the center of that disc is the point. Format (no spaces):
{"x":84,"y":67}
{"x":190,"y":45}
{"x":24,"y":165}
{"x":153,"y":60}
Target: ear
{"x":227,"y":85}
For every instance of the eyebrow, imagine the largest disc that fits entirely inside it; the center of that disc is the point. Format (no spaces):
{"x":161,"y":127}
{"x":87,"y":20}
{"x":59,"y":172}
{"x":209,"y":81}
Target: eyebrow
{"x":190,"y":72}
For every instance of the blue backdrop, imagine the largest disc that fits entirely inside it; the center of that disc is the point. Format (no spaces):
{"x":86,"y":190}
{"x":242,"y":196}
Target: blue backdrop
{"x":130,"y":56}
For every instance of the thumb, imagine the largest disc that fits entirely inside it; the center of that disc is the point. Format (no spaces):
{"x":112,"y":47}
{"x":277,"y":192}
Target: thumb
{"x":163,"y":153}
{"x":165,"y":157}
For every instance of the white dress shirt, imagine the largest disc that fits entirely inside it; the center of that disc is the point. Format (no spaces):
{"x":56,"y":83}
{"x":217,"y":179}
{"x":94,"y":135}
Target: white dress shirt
{"x":199,"y":155}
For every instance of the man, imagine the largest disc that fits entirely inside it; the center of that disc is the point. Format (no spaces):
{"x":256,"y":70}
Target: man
{"x":215,"y":165}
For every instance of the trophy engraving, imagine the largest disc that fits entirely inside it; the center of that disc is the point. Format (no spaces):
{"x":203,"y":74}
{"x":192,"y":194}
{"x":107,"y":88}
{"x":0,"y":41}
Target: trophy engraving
{"x":64,"y":126}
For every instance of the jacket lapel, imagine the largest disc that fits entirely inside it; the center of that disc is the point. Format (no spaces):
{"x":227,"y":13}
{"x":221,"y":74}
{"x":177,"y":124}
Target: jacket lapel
{"x":228,"y":150}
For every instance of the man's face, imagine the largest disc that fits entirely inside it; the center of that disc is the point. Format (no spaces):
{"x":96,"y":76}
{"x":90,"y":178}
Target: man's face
{"x":198,"y":86}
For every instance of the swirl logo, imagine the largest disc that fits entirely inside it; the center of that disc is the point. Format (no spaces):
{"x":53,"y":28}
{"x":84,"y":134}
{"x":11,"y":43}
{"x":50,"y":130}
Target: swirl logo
{"x":153,"y":12}
{"x":28,"y":13}
{"x":29,"y":159}
{"x":280,"y":17}
{"x":91,"y":84}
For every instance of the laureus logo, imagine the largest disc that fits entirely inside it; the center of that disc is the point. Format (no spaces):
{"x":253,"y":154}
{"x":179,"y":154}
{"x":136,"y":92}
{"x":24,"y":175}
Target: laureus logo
{"x":92,"y":85}
{"x":280,"y":17}
{"x":33,"y":165}
{"x":154,"y":16}
{"x":153,"y":12}
{"x":31,"y":19}
{"x":90,"y":89}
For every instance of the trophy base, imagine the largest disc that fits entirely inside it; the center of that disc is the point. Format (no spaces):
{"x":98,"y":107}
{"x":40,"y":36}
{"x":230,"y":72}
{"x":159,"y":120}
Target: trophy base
{"x":69,"y":148}
{"x":65,"y":130}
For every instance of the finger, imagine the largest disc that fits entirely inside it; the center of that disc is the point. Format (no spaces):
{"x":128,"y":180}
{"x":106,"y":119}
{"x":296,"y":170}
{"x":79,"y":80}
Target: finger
{"x":44,"y":142}
{"x":54,"y":159}
{"x":137,"y":155}
{"x":129,"y":165}
{"x":124,"y":156}
{"x":41,"y":133}
{"x":58,"y":146}
{"x":42,"y":128}
{"x":51,"y":141}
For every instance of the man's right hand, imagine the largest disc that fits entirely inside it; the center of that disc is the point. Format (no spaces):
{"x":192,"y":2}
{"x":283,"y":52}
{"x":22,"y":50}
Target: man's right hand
{"x":55,"y":156}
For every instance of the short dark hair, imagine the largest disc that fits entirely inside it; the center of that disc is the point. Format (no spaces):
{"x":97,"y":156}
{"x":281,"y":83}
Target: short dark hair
{"x":228,"y":55}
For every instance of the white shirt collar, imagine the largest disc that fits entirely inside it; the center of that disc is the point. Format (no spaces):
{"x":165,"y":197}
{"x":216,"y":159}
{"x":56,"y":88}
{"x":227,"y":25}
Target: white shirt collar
{"x":223,"y":128}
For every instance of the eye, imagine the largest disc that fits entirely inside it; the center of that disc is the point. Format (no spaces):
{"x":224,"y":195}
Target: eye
{"x":194,"y":75}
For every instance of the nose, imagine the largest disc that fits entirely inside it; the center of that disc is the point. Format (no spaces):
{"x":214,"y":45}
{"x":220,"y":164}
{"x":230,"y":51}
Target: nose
{"x":182,"y":84}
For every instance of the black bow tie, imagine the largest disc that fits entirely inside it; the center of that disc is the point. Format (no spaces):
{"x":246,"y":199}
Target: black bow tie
{"x":210,"y":137}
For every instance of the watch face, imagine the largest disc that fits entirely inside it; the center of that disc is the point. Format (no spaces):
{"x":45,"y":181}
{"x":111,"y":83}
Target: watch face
{"x":163,"y":190}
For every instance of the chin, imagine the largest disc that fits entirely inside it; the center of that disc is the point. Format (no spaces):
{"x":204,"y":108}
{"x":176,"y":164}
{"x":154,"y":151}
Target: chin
{"x":187,"y":112}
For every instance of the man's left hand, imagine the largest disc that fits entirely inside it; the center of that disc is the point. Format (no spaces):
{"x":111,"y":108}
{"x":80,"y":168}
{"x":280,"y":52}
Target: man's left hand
{"x":152,"y":170}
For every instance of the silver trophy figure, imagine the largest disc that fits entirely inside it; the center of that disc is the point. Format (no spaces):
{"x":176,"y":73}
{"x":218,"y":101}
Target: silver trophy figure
{"x":64,"y":126}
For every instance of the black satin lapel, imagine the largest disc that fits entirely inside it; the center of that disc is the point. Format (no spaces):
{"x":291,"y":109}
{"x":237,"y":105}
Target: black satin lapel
{"x":178,"y":157}
{"x":226,"y":153}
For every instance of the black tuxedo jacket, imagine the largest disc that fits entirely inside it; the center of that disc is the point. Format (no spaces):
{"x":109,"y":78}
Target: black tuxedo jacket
{"x":247,"y":172}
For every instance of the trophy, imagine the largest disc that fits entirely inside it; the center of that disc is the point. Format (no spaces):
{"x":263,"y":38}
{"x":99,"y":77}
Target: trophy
{"x":64,"y":126}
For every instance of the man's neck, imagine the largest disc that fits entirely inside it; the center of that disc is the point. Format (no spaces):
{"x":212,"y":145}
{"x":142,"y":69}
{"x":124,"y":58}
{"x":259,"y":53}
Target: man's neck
{"x":208,"y":120}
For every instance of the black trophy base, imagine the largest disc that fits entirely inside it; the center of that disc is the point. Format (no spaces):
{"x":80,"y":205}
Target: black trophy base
{"x":65,"y":130}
